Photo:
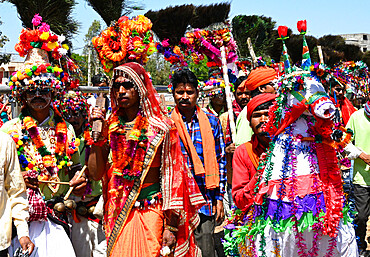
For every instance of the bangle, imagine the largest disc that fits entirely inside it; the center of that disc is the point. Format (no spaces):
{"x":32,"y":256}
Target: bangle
{"x":172,"y":229}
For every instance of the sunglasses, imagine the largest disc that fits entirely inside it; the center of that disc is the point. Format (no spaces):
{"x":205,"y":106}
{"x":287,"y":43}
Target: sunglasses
{"x":42,"y":91}
{"x":338,"y":89}
{"x":126,"y":85}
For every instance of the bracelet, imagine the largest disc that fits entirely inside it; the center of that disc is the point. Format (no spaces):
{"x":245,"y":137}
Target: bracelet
{"x":170,"y":228}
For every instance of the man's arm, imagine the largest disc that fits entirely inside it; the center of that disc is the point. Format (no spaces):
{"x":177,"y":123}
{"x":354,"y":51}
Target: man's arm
{"x":244,"y":179}
{"x":16,"y":190}
{"x":221,"y":160}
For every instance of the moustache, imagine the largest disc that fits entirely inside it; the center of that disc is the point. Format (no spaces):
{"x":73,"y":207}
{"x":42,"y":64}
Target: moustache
{"x":260,"y":125}
{"x":184,"y":101}
{"x":38,"y":99}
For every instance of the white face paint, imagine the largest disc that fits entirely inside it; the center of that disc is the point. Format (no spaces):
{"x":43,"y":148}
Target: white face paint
{"x":38,"y":99}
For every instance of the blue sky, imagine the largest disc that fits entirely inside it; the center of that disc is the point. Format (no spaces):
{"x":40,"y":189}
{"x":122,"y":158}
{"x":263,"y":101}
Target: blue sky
{"x":323,"y":16}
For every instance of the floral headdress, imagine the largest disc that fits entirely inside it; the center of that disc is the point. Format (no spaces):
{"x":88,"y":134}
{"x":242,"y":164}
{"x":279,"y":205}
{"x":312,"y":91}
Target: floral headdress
{"x":37,"y":71}
{"x":208,"y":42}
{"x":126,"y":40}
{"x":73,"y":101}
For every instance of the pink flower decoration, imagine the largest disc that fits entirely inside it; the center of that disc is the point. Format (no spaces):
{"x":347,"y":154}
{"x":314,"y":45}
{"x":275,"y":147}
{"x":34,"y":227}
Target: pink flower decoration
{"x":44,"y":27}
{"x":165,"y":43}
{"x":36,"y":20}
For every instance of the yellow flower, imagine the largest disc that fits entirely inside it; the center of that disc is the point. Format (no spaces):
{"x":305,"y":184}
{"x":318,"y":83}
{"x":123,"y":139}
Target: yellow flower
{"x":44,"y":36}
{"x":53,"y":45}
{"x":65,"y":46}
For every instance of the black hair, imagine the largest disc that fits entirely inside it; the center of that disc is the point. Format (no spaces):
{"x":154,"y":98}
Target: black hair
{"x":239,"y":81}
{"x":99,"y":78}
{"x":184,"y":76}
{"x":264,"y":106}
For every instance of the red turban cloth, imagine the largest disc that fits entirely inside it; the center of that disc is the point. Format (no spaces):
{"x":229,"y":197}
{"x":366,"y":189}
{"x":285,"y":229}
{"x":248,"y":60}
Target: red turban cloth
{"x":260,"y":76}
{"x":257,"y":101}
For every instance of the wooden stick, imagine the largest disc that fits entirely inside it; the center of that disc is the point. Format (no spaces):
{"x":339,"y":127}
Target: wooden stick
{"x":78,"y":177}
{"x":54,"y":182}
{"x":319,"y":49}
{"x":228,"y":94}
{"x":251,"y":51}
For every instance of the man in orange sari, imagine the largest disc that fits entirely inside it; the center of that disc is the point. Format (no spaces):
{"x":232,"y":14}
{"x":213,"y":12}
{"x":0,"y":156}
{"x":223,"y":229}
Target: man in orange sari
{"x":246,"y":156}
{"x":151,"y":198}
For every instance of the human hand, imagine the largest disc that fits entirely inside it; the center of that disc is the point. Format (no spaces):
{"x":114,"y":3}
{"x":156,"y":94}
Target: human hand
{"x":230,"y":148}
{"x":365,"y":157}
{"x":78,"y":184}
{"x":169,"y":238}
{"x":32,"y":183}
{"x":220,"y":213}
{"x":97,"y":114}
{"x":26,"y":244}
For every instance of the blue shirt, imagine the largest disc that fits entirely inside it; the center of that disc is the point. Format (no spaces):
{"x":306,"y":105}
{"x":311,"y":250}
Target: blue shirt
{"x":210,"y":195}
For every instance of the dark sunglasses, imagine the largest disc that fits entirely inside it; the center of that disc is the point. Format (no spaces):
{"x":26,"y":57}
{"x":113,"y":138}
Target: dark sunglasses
{"x":338,"y":89}
{"x":42,"y":91}
{"x":126,"y":85}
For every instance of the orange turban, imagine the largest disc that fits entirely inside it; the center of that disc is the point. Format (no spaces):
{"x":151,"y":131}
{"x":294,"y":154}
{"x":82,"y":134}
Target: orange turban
{"x":260,"y":76}
{"x":257,"y":101}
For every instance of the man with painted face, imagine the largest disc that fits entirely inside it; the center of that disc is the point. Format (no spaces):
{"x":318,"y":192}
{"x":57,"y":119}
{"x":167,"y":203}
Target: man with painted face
{"x":246,"y":156}
{"x":151,"y":199}
{"x":47,"y":152}
{"x":87,"y":233}
{"x":203,"y":147}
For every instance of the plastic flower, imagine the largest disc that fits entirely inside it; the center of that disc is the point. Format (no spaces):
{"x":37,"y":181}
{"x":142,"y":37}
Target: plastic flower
{"x":302,"y":26}
{"x":283,"y":31}
{"x":44,"y":36}
{"x":44,"y":27}
{"x":36,"y":20}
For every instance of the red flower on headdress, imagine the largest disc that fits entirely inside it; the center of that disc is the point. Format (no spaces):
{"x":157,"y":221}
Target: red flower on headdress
{"x":283,"y":31}
{"x":302,"y":26}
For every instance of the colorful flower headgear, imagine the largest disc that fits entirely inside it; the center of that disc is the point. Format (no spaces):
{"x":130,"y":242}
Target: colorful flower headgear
{"x":126,"y":40}
{"x":209,"y":42}
{"x":73,"y":101}
{"x":37,"y":71}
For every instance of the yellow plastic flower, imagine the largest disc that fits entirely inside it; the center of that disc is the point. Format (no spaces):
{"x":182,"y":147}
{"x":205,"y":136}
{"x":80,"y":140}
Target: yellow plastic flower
{"x":44,"y":36}
{"x":65,"y":46}
{"x":52,"y":45}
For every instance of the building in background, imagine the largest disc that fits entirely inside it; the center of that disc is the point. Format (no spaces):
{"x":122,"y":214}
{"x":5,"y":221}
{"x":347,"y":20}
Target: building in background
{"x":7,"y":69}
{"x":359,"y":39}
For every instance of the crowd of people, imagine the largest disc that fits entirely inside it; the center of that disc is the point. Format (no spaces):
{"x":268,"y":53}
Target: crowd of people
{"x":130,"y":178}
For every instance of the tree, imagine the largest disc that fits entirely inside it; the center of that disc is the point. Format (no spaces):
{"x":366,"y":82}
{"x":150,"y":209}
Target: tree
{"x":94,"y":30}
{"x":57,"y":13}
{"x":159,"y":69}
{"x":81,"y":61}
{"x":4,"y":58}
{"x":112,"y":10}
{"x":261,"y":31}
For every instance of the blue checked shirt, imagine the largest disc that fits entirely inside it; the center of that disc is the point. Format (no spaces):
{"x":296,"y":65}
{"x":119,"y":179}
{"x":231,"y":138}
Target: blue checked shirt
{"x":194,"y":131}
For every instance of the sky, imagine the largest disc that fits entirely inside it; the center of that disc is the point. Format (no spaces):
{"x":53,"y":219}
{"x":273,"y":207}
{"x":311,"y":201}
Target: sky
{"x":323,"y":16}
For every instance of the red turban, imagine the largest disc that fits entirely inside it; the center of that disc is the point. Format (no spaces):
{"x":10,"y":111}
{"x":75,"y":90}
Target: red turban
{"x":257,"y":101}
{"x":260,"y":76}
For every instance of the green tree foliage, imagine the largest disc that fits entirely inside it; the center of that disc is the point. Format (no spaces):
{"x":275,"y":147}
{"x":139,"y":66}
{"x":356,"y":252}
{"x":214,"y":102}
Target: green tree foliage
{"x":57,"y":13}
{"x":4,"y":58}
{"x":366,"y":58}
{"x":94,"y":30}
{"x":259,"y":28}
{"x":159,"y":69}
{"x":112,"y":10}
{"x":81,"y":61}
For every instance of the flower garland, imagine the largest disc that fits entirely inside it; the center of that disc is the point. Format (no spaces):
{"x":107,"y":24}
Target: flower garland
{"x":41,"y":37}
{"x":51,"y":162}
{"x":127,"y":39}
{"x":172,"y":54}
{"x":128,"y":155}
{"x":208,"y":43}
